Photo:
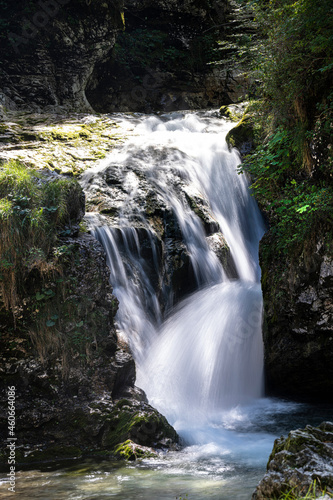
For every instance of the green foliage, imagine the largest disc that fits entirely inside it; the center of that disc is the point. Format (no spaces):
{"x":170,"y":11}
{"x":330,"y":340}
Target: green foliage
{"x":297,"y":205}
{"x":294,"y":64}
{"x":32,"y":211}
{"x":291,"y":167}
{"x":297,"y":54}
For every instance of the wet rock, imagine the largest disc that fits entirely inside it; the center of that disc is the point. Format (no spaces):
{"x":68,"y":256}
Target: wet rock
{"x":201,"y":208}
{"x":218,"y":244}
{"x":125,"y":193}
{"x":298,"y":331}
{"x":302,"y":462}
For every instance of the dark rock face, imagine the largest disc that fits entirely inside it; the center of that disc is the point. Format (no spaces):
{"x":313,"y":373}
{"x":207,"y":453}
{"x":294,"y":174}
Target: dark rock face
{"x":161,"y":61}
{"x":150,"y":215}
{"x":63,"y":54}
{"x":298,"y":330}
{"x":296,"y":462}
{"x":52,"y":50}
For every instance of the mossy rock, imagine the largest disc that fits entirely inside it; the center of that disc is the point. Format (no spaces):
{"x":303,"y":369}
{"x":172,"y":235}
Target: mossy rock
{"x":299,"y":464}
{"x":143,"y":424}
{"x":242,"y":135}
{"x":132,"y":451}
{"x":227,"y":112}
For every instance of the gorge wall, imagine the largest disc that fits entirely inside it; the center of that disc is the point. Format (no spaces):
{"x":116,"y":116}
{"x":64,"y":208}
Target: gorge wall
{"x":50,"y":50}
{"x":115,"y":56}
{"x":298,"y":328}
{"x":162,"y":59}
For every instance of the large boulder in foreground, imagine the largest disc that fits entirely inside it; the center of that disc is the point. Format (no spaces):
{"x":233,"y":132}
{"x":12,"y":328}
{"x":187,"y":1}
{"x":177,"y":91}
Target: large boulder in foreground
{"x":301,"y":462}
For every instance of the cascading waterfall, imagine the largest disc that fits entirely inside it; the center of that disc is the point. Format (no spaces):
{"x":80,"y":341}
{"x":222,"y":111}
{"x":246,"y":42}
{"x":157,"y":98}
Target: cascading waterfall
{"x":207,"y":356}
{"x":199,"y":360}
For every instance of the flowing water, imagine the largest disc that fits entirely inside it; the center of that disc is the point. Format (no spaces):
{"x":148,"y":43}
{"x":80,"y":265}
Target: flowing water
{"x":200,"y":361}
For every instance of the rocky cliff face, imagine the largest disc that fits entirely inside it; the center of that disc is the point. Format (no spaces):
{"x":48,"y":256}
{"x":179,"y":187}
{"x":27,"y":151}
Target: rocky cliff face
{"x":161,"y":61}
{"x":141,"y":56}
{"x":51,"y":48}
{"x":298,"y":330}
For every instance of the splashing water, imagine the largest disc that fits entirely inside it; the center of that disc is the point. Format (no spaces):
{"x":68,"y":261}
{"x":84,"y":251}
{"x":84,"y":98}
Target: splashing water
{"x":208,"y":355}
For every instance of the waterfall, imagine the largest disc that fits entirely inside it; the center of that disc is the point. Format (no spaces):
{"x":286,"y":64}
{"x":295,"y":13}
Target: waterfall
{"x":204,"y":355}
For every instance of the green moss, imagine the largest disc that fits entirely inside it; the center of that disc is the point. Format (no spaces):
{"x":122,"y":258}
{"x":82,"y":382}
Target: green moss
{"x":123,"y":402}
{"x":67,"y":146}
{"x":228,"y":113}
{"x":63,"y":135}
{"x":243,"y":132}
{"x":131,"y":451}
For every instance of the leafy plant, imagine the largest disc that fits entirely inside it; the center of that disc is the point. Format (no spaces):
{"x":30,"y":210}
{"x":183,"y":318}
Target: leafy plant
{"x":291,"y":167}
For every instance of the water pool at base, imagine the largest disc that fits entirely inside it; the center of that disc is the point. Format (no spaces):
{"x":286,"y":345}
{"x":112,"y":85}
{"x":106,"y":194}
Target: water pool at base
{"x":227,"y":462}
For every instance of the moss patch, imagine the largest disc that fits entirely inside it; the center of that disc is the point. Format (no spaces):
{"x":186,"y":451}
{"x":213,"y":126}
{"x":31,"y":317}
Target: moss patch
{"x":132,"y":451}
{"x":67,"y":144}
{"x":241,"y":133}
{"x":229,"y":113}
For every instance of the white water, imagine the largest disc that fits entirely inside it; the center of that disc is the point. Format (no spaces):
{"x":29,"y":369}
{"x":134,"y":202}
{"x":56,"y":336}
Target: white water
{"x":208,"y":355}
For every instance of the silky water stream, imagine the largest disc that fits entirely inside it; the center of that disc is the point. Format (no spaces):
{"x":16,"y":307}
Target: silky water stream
{"x":200,"y":360}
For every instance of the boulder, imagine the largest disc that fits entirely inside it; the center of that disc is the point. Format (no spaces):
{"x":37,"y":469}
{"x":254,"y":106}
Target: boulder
{"x":301,"y":462}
